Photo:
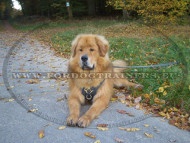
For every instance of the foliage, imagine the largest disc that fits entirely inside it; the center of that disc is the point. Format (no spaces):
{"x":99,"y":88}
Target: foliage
{"x":154,"y":11}
{"x":5,"y":9}
{"x":52,"y":8}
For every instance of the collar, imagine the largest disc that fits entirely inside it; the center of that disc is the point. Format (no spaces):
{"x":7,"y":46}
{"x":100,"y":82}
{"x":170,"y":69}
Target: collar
{"x":90,"y":93}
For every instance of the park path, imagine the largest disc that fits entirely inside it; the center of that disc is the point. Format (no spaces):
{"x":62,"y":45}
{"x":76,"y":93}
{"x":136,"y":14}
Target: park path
{"x":40,"y":97}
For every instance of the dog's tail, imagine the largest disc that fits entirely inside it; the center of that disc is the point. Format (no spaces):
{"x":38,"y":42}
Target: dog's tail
{"x":119,"y":63}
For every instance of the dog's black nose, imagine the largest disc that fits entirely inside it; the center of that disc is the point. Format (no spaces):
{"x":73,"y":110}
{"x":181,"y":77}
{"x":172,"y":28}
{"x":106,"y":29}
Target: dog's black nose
{"x":84,"y":58}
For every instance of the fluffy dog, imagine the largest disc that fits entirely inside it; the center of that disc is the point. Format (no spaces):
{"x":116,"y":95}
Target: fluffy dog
{"x":90,"y":55}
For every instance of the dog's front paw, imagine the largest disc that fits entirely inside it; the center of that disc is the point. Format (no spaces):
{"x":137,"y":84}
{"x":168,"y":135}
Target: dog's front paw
{"x":139,"y":86}
{"x":84,"y":121}
{"x":72,"y":120}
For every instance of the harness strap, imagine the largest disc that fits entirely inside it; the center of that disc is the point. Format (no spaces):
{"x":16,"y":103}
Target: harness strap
{"x":90,"y":93}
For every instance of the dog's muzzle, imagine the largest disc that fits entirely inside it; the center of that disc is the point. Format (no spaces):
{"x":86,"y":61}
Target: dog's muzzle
{"x":85,"y":63}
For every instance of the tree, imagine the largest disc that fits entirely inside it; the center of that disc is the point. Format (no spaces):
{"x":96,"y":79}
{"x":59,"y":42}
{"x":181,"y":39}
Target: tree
{"x":5,"y":9}
{"x":153,"y":11}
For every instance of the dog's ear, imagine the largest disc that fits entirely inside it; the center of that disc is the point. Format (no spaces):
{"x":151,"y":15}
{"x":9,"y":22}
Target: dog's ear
{"x":102,"y":44}
{"x":74,"y":45}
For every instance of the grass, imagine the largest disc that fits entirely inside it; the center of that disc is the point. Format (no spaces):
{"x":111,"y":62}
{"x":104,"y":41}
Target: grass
{"x":138,"y":45}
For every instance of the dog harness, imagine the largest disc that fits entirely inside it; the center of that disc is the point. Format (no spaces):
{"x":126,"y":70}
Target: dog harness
{"x":90,"y":93}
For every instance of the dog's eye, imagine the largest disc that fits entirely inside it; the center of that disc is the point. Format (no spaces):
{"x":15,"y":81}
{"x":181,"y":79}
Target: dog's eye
{"x":80,"y":49}
{"x":91,"y":49}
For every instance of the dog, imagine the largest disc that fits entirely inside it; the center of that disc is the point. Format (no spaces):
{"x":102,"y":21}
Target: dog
{"x":89,"y":54}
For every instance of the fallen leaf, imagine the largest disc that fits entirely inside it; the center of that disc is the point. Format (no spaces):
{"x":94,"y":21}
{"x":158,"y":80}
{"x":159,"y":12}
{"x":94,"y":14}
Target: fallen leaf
{"x":46,"y":125}
{"x":129,"y":129}
{"x":58,"y":89}
{"x":119,"y":140}
{"x":161,"y":89}
{"x":32,"y":81}
{"x":164,"y":93}
{"x":146,"y":95}
{"x":10,"y":87}
{"x":162,"y":113}
{"x":61,"y":127}
{"x":113,"y":99}
{"x":175,"y":109}
{"x":102,"y":125}
{"x":59,"y":99}
{"x":157,"y":100}
{"x":41,"y":134}
{"x":137,"y":107}
{"x":1,"y":84}
{"x":122,"y":111}
{"x":163,"y":120}
{"x":130,"y":114}
{"x":97,"y":141}
{"x":88,"y":134}
{"x":146,"y":125}
{"x":172,"y":140}
{"x":138,"y":99}
{"x":149,"y":135}
{"x":10,"y":100}
{"x":171,"y":122}
{"x":30,"y":99}
{"x":102,"y":128}
{"x":33,"y":110}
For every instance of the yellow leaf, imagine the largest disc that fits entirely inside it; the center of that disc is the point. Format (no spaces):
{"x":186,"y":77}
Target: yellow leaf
{"x":122,"y":101}
{"x":102,"y":128}
{"x":166,"y":86}
{"x":147,"y":125}
{"x":1,"y":84}
{"x":149,"y":135}
{"x":58,"y":89}
{"x":10,"y":100}
{"x":162,"y":113}
{"x":41,"y":134}
{"x":30,"y":99}
{"x":98,"y":141}
{"x":157,"y":100}
{"x":167,"y":116}
{"x":163,"y":120}
{"x":113,"y":99}
{"x":164,"y":93}
{"x":175,"y":109}
{"x":32,"y":110}
{"x":146,"y":95}
{"x":161,"y":89}
{"x":62,"y":127}
{"x":129,"y":129}
{"x":89,"y":135}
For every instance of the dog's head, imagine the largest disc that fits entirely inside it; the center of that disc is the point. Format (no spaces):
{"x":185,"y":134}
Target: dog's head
{"x":86,"y":49}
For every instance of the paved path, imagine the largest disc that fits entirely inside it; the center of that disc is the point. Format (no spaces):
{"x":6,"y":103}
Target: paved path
{"x":18,"y":125}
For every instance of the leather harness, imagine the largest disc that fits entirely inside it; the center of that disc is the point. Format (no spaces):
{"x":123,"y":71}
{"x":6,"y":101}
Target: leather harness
{"x":90,"y":93}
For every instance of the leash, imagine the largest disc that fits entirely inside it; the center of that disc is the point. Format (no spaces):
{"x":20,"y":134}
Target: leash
{"x":149,"y":66}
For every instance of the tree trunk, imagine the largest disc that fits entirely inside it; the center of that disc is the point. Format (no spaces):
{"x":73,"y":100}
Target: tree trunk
{"x":69,"y":10}
{"x":91,"y":7}
{"x":125,"y":14}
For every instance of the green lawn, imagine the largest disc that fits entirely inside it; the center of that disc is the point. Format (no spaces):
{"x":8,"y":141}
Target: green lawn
{"x":137,"y":44}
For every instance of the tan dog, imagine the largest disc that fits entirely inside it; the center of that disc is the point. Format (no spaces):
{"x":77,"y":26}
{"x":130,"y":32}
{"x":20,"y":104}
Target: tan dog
{"x":90,"y":55}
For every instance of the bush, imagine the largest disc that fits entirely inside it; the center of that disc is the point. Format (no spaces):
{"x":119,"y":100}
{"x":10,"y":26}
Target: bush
{"x":154,"y":11}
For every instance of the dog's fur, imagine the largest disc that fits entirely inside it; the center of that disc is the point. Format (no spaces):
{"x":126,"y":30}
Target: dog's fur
{"x":98,"y":61}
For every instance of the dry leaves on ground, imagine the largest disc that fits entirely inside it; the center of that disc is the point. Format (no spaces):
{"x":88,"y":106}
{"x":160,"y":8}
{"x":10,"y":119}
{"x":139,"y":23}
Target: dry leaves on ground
{"x":129,"y":129}
{"x":88,"y":134}
{"x":102,"y":128}
{"x":61,"y":127}
{"x":149,"y":135}
{"x":41,"y":134}
{"x":32,"y":81}
{"x":119,"y":140}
